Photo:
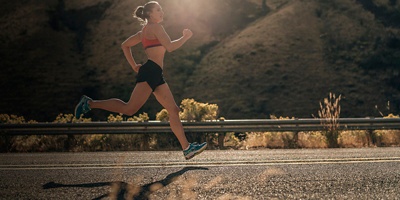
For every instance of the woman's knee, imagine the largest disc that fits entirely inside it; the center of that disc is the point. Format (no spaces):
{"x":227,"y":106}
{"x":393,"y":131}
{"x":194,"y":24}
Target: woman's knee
{"x":174,"y":110}
{"x":131,"y":111}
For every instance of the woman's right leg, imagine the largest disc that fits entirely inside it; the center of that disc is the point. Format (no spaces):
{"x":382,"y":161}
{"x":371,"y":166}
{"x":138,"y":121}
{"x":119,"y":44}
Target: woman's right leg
{"x":139,"y":96}
{"x":165,"y":98}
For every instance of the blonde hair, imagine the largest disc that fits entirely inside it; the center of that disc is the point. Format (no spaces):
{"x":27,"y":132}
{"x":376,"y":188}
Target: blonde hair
{"x":142,"y":13}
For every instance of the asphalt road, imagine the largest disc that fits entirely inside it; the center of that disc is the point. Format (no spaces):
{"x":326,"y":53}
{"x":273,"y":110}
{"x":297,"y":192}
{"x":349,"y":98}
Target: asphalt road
{"x":366,"y":173}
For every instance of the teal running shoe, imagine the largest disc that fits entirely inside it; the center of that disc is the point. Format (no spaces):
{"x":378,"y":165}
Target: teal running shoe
{"x":194,"y":149}
{"x":82,"y":107}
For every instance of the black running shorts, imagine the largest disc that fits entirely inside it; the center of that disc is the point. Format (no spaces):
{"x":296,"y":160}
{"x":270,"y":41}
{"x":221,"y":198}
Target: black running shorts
{"x":151,"y":73}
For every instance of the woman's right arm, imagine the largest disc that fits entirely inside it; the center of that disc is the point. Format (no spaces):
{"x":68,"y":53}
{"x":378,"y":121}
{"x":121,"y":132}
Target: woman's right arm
{"x":126,"y":48}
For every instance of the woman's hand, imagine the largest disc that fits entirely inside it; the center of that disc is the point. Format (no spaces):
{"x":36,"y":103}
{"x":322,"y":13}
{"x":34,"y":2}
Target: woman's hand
{"x":136,"y":68}
{"x":187,"y":33}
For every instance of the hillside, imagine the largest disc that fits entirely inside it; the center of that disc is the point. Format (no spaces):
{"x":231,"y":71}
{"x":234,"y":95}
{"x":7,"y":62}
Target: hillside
{"x":287,"y":62}
{"x":54,"y":51}
{"x":252,"y":65}
{"x":267,"y":68}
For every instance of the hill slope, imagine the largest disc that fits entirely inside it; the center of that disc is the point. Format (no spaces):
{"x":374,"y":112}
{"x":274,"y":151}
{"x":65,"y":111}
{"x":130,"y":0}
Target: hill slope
{"x":54,"y":51}
{"x":251,"y":65}
{"x":287,"y":62}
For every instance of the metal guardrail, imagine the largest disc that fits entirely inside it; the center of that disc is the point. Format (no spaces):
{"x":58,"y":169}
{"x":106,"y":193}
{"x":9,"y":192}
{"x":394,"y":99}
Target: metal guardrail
{"x":243,"y":125}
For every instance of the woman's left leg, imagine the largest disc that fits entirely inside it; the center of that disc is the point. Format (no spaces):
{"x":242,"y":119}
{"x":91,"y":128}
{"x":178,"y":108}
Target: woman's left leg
{"x":165,"y":98}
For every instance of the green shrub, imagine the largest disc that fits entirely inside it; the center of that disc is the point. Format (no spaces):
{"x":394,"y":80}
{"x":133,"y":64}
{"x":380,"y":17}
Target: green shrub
{"x":196,"y":111}
{"x":116,"y":118}
{"x":162,"y":115}
{"x":13,"y":119}
{"x":141,"y":118}
{"x":69,"y":118}
{"x":119,"y":118}
{"x":192,"y":111}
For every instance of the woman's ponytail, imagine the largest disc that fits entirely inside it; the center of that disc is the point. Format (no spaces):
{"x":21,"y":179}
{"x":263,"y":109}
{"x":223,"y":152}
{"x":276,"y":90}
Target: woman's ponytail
{"x":138,"y":14}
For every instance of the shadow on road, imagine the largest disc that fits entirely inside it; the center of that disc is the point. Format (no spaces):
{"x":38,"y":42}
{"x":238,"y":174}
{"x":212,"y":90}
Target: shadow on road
{"x":142,"y":192}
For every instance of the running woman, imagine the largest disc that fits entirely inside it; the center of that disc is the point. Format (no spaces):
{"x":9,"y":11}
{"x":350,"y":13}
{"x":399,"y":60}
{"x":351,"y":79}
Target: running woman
{"x":150,"y":78}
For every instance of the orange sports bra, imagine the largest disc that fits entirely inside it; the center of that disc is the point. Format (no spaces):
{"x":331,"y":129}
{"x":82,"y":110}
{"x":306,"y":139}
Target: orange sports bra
{"x":149,"y":43}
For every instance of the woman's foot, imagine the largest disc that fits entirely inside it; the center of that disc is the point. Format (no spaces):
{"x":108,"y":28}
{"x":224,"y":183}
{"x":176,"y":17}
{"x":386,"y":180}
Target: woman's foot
{"x":194,"y":149}
{"x":82,"y":107}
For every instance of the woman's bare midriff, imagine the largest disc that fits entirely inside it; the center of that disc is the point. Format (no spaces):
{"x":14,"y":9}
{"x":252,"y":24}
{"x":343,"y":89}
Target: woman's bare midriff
{"x":156,"y":54}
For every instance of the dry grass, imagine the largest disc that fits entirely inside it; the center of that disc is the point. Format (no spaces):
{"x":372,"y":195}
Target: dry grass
{"x":388,"y":137}
{"x":318,"y":139}
{"x":312,"y":139}
{"x":253,"y":140}
{"x":250,"y":140}
{"x":268,"y":140}
{"x":354,"y":139}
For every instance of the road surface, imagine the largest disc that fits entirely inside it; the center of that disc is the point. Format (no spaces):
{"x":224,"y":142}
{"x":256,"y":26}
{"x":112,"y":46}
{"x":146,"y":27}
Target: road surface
{"x":365,"y":173}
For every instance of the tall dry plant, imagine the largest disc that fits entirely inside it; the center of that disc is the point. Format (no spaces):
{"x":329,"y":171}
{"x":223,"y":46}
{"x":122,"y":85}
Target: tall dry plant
{"x":329,"y":113}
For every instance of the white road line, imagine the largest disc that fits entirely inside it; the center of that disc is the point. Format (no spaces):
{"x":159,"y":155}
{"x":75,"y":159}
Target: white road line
{"x":202,"y":164}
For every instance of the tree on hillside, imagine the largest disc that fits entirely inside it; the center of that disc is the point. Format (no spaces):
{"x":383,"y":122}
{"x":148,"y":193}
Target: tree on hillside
{"x":264,"y":7}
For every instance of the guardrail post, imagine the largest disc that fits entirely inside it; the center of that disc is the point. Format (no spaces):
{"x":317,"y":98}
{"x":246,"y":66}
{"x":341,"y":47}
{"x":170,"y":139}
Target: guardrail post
{"x":221,"y":138}
{"x":70,"y":142}
{"x":145,"y":146}
{"x":372,"y":136}
{"x":295,"y":139}
{"x":7,"y":143}
{"x":296,"y":134}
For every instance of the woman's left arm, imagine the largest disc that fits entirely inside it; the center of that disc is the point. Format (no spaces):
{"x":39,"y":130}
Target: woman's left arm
{"x":165,"y":40}
{"x":126,"y":48}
